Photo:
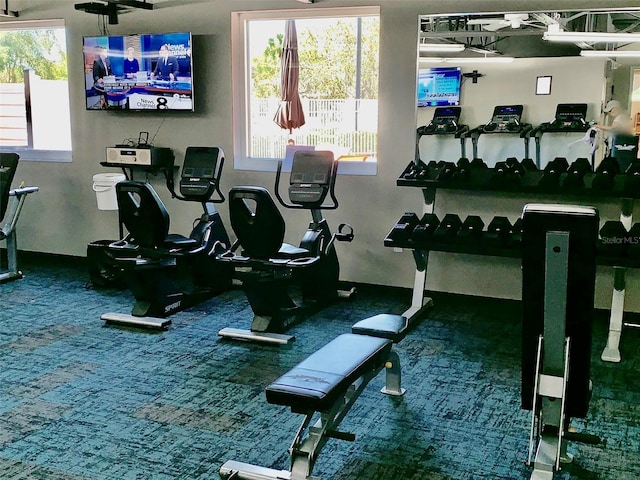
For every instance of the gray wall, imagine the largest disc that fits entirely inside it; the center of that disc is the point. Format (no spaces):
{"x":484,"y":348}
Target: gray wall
{"x":62,"y":218}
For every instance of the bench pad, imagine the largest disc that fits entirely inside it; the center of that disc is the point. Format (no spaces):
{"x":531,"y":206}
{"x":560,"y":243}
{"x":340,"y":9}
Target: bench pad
{"x":384,"y":325}
{"x":319,"y":380}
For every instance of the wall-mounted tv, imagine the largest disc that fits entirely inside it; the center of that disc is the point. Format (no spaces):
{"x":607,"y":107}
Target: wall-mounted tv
{"x":439,"y":87}
{"x":138,"y":72}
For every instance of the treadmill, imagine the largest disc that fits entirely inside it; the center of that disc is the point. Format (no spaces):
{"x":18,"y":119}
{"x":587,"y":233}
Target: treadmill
{"x":506,"y":119}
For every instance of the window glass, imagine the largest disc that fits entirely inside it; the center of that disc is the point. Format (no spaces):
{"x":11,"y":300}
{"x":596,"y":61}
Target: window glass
{"x":34,"y":93}
{"x":337,"y":78}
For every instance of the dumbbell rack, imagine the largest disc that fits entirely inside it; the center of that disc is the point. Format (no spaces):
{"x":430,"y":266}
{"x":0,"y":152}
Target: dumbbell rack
{"x":625,"y":188}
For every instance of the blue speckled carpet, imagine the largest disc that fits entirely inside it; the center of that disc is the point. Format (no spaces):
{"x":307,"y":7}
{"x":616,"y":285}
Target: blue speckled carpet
{"x":79,"y":400}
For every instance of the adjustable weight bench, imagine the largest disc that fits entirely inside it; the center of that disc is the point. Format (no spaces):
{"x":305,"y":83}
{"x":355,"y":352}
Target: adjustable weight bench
{"x":558,"y":284}
{"x":326,"y":385}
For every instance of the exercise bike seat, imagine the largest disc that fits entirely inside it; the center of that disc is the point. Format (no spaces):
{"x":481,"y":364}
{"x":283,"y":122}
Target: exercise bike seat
{"x":146,"y":219}
{"x":259,"y":226}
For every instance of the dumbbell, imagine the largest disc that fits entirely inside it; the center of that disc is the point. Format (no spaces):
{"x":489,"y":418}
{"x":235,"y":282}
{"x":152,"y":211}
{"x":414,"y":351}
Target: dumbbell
{"x":561,"y":163}
{"x":411,"y":171}
{"x":402,"y":230}
{"x":446,"y":172}
{"x":448,"y":228}
{"x":506,"y":175}
{"x":471,"y":229}
{"x":424,"y":230}
{"x":478,"y":163}
{"x":551,"y":176}
{"x":605,"y":174}
{"x":632,"y":179}
{"x":516,"y":233}
{"x":512,"y":161}
{"x":633,"y":249}
{"x":614,"y":239}
{"x":529,"y":165}
{"x":575,"y":175}
{"x":498,"y":232}
{"x":463,"y":169}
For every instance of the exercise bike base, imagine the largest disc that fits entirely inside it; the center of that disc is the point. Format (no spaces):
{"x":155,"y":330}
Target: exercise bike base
{"x":250,"y":336}
{"x":133,"y":321}
{"x":245,"y":471}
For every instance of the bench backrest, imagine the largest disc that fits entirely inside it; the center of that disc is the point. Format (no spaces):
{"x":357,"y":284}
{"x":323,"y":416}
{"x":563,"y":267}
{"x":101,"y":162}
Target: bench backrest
{"x":581,"y":224}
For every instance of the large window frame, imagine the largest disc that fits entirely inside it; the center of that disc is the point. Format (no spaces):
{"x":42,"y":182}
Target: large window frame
{"x":28,"y":153}
{"x":241,"y":77}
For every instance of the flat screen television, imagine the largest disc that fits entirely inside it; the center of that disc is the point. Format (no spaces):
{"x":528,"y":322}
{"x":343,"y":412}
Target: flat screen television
{"x":148,"y":72}
{"x":439,"y":87}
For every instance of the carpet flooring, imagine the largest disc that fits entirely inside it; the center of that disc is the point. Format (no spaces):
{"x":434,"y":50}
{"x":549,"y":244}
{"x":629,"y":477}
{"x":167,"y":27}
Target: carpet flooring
{"x":81,"y":400}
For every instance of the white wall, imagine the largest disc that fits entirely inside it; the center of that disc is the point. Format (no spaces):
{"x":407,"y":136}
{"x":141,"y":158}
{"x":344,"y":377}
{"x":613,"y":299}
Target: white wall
{"x":574,"y":80}
{"x":62,"y":218}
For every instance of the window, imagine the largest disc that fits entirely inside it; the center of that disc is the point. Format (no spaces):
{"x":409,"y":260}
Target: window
{"x":34,"y":92}
{"x":338,"y":85}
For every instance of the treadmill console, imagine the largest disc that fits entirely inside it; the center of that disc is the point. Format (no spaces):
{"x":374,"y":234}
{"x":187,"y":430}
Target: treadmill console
{"x":311,"y":176}
{"x":201,"y":172}
{"x":506,"y":119}
{"x":570,"y":117}
{"x":445,"y":121}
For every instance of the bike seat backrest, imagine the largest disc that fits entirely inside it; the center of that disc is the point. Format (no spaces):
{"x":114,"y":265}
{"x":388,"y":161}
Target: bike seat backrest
{"x":311,"y":176}
{"x":142,"y":213}
{"x":201,"y":172}
{"x":8,"y":166}
{"x":256,"y":221}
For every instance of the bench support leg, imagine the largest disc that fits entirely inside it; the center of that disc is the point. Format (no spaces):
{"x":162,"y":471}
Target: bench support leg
{"x":393,"y":384}
{"x":611,"y":352}
{"x":308,"y":442}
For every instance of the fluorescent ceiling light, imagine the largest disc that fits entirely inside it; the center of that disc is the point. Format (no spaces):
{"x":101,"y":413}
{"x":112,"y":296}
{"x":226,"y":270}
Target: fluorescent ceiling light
{"x":555,"y":34}
{"x":610,"y":53}
{"x":480,"y":60}
{"x":441,"y":47}
{"x":466,"y":59}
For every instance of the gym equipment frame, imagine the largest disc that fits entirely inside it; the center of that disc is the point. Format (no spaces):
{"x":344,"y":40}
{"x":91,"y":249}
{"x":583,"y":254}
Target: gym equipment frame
{"x":558,"y":284}
{"x":11,"y":203}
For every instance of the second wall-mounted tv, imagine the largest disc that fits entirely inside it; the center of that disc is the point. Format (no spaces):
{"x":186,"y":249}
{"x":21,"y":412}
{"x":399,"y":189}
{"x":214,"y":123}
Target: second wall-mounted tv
{"x":439,"y":87}
{"x":150,"y":72}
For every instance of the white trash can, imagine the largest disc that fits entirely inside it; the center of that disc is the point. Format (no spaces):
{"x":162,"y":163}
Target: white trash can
{"x":104,"y":184}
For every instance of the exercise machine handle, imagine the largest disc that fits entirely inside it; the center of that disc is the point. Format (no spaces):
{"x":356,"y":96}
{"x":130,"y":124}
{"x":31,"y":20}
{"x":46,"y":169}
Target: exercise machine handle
{"x":345,"y":236}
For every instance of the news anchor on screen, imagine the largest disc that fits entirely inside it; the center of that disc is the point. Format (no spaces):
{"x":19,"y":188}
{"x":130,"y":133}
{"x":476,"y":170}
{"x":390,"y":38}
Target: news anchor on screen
{"x":166,"y":66}
{"x":101,"y":68}
{"x":130,"y":64}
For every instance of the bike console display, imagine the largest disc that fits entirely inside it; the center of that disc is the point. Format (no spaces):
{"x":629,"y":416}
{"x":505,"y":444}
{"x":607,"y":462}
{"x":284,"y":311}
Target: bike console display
{"x":312,"y":173}
{"x":201,"y":172}
{"x":445,"y":121}
{"x":506,"y":119}
{"x":570,"y":117}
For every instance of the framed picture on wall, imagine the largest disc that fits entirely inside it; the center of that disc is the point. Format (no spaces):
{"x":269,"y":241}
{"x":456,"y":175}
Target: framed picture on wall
{"x":543,"y":85}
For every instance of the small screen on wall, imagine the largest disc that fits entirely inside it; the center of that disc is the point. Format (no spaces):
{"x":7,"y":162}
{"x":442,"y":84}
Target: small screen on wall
{"x":138,"y":72}
{"x":439,"y":87}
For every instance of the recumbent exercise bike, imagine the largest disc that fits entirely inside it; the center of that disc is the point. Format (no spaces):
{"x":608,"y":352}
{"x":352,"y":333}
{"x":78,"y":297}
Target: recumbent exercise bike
{"x":169,"y":272}
{"x":267,"y":266}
